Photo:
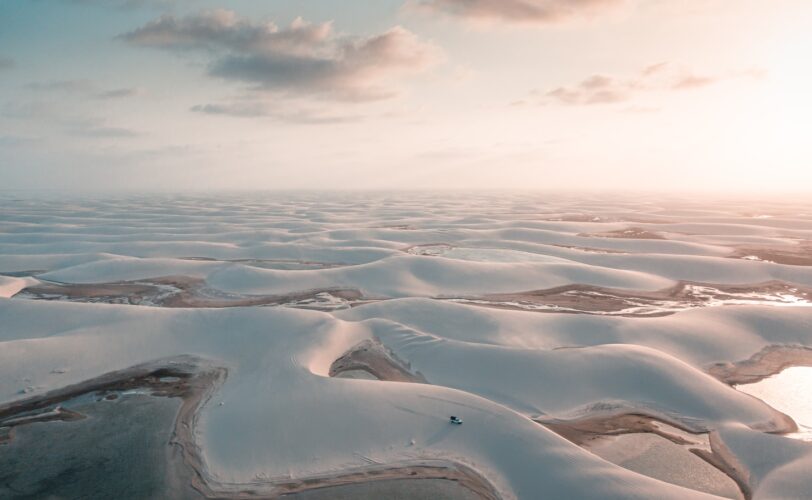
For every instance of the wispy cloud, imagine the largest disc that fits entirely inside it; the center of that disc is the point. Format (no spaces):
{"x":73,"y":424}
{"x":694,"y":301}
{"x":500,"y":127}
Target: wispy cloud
{"x":607,"y":89}
{"x":15,"y":140}
{"x":6,"y":63}
{"x":299,"y":114}
{"x":303,"y":58}
{"x":125,"y":4}
{"x":518,"y":11}
{"x":94,"y":129}
{"x":83,"y":88}
{"x":119,"y":93}
{"x":72,"y":86}
{"x":71,"y":123}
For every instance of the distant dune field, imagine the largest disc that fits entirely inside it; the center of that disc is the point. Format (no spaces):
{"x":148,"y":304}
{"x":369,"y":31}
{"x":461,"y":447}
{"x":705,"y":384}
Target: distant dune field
{"x":315,"y":346}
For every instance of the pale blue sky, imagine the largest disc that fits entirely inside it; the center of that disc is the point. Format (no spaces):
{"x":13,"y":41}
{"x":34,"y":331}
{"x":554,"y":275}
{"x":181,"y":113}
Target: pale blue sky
{"x":641,"y":94}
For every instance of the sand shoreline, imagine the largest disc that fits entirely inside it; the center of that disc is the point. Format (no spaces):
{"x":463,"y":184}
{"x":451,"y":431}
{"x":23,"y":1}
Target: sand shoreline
{"x":768,"y":362}
{"x":195,"y":381}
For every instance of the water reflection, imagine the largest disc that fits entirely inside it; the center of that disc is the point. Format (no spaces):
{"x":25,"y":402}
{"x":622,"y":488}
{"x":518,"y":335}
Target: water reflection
{"x":790,"y":392}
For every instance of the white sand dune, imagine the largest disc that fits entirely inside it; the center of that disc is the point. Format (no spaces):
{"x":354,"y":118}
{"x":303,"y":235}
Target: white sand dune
{"x":280,"y":416}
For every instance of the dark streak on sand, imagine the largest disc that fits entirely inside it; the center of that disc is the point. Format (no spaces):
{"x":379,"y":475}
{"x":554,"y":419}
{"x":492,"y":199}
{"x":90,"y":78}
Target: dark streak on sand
{"x":194,"y":381}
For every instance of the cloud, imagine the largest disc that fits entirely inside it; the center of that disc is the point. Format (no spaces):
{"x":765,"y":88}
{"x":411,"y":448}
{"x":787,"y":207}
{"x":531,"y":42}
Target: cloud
{"x":260,"y":109}
{"x":519,"y":11}
{"x":663,"y":77}
{"x":71,"y":86}
{"x":125,"y":4}
{"x":6,"y":63}
{"x":117,"y":93}
{"x":303,"y":58}
{"x":85,"y":88}
{"x":15,"y":140}
{"x":52,"y":114}
{"x":95,"y":130}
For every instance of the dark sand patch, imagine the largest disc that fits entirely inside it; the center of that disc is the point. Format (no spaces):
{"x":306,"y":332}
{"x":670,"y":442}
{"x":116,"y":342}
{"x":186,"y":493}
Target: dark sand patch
{"x":429,"y":249}
{"x":279,"y":264}
{"x":765,"y":363}
{"x":798,"y":255}
{"x":584,"y":430}
{"x":393,"y":489}
{"x":634,"y":233}
{"x":371,"y":480}
{"x":656,"y":457}
{"x":185,"y":292}
{"x":580,"y":218}
{"x":591,"y":249}
{"x":589,"y":430}
{"x":591,"y":217}
{"x":373,"y":358}
{"x":398,"y":227}
{"x":586,"y":299}
{"x":723,"y":459}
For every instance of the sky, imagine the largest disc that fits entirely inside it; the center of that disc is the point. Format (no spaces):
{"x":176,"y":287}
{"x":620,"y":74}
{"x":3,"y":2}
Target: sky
{"x":662,"y":95}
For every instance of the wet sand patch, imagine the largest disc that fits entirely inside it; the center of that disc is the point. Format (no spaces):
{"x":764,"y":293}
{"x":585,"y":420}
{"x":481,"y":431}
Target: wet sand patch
{"x":373,"y":358}
{"x":768,"y":362}
{"x":592,"y":431}
{"x":662,"y":459}
{"x":582,"y":431}
{"x":429,"y":249}
{"x":370,"y":480}
{"x":592,"y":217}
{"x":185,"y":292}
{"x":799,"y":255}
{"x":278,"y":264}
{"x":586,"y":299}
{"x":634,"y":233}
{"x":393,"y":489}
{"x":591,"y":249}
{"x":580,"y":218}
